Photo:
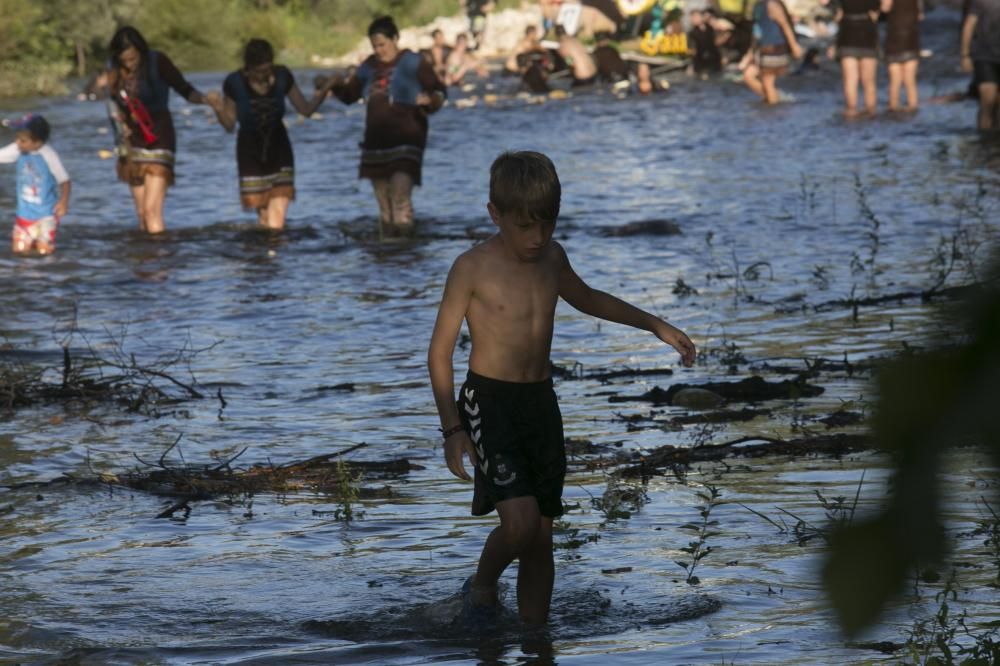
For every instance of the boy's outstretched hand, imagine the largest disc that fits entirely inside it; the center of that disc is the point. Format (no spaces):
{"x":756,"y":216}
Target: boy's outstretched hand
{"x":677,"y":339}
{"x":455,"y":447}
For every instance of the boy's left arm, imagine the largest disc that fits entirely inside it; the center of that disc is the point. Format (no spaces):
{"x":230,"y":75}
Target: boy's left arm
{"x":55,"y":165}
{"x":601,"y":304}
{"x":62,"y":206}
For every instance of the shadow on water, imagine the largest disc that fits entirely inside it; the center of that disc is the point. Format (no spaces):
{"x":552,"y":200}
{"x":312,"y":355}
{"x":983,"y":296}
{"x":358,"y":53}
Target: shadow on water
{"x":574,"y":615}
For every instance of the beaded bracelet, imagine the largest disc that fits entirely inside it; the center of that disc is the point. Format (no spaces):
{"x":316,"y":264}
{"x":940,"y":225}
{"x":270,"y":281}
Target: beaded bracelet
{"x":451,"y":431}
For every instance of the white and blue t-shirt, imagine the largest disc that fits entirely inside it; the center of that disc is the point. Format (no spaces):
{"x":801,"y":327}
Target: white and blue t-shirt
{"x":39,"y":175}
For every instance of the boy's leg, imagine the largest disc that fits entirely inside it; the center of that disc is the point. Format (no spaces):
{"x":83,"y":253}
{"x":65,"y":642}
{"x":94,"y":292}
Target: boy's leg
{"x":20,"y":241}
{"x":869,"y":76}
{"x":849,"y":72}
{"x":152,"y":206}
{"x":520,"y":522}
{"x":400,"y":195}
{"x":535,"y":576}
{"x":910,"y":81}
{"x":277,"y":210}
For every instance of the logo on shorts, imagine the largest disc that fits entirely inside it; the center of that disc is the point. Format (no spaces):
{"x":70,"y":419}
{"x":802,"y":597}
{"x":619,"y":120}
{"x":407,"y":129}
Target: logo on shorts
{"x":505,"y":476}
{"x":475,"y":432}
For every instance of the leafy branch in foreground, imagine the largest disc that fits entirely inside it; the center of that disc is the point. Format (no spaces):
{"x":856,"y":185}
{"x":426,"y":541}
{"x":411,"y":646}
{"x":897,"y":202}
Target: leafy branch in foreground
{"x":928,"y":403}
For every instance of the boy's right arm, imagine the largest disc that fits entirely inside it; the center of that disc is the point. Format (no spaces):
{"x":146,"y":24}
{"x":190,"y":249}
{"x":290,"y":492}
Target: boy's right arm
{"x":9,"y":153}
{"x":454,"y":304}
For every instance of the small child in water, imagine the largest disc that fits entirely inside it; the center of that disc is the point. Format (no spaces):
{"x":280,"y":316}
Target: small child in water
{"x":507,"y":420}
{"x":42,"y":186}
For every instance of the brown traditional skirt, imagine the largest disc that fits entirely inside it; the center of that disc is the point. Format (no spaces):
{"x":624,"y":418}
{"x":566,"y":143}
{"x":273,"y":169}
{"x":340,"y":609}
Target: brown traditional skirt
{"x":381,"y":163}
{"x":141,"y":162}
{"x":266,"y":166}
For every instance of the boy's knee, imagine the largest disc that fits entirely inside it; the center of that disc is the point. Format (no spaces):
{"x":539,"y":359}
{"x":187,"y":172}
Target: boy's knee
{"x":520,"y":533}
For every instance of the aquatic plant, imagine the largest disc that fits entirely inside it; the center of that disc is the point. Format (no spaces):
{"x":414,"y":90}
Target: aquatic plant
{"x":698,"y":548}
{"x":346,"y":493}
{"x":620,"y":498}
{"x":837,"y":510}
{"x":867,"y":265}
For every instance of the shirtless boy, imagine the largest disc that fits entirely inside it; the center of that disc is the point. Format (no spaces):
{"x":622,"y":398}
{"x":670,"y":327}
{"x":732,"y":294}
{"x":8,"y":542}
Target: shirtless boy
{"x":507,"y":420}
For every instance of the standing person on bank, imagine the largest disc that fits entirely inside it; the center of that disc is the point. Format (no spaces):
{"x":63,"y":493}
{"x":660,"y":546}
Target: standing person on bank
{"x":254,"y":98}
{"x":857,"y":50}
{"x":401,"y":90}
{"x":507,"y":421}
{"x":140,"y":80}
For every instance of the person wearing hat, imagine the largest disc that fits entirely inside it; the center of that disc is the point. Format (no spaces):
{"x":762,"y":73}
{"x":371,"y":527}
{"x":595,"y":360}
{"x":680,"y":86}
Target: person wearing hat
{"x":42,"y":186}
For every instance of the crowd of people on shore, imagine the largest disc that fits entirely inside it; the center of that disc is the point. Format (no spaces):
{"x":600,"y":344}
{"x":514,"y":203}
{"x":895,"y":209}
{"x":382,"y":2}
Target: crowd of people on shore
{"x":402,"y":88}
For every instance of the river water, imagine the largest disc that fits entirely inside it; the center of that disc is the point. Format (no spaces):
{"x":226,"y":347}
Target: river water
{"x":92,"y":576}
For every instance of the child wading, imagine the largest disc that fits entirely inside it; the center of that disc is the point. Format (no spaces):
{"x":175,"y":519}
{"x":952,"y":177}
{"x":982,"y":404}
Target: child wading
{"x":507,"y":419}
{"x":42,"y":186}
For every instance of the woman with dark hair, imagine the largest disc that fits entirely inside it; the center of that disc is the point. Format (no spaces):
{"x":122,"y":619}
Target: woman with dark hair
{"x":139,"y":81}
{"x":254,"y":98}
{"x":401,"y":89}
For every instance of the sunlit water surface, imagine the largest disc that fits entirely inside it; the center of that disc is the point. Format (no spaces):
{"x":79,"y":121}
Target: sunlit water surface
{"x":94,"y":577}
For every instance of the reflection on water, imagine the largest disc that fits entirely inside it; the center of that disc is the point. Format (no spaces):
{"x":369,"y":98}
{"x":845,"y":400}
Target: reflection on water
{"x":769,"y":204}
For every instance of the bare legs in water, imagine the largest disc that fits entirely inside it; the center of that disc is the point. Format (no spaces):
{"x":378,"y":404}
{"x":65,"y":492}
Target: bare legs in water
{"x":272,"y":216}
{"x":903,"y":75}
{"x":762,"y":82}
{"x":148,"y":199}
{"x":395,"y":204}
{"x":524,"y":534}
{"x":863,"y":71}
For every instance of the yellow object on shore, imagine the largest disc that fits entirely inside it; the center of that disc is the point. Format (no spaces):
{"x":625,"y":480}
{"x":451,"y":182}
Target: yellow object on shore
{"x":664,"y":44}
{"x":105,"y":154}
{"x":635,"y":7}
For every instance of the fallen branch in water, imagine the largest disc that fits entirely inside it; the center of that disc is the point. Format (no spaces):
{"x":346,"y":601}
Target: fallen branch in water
{"x":670,"y":456}
{"x":88,"y":376}
{"x":326,"y":474}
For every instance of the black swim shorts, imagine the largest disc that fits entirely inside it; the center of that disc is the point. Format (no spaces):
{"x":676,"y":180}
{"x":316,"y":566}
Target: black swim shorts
{"x":518,"y":434}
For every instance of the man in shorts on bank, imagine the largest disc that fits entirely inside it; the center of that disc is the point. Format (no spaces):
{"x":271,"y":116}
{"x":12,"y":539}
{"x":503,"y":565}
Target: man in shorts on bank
{"x":507,"y":420}
{"x":981,"y":55}
{"x":42,"y":186}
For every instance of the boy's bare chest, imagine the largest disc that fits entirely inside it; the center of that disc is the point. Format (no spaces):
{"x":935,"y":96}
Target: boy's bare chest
{"x":519,"y":295}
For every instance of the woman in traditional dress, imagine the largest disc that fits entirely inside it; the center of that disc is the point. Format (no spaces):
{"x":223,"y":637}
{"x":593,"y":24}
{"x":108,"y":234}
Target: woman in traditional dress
{"x":254,"y":97}
{"x":401,"y":89}
{"x":139,"y":81}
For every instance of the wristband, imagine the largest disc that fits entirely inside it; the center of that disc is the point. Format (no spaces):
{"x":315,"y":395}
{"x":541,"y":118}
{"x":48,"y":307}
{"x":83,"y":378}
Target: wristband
{"x":446,"y":433}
